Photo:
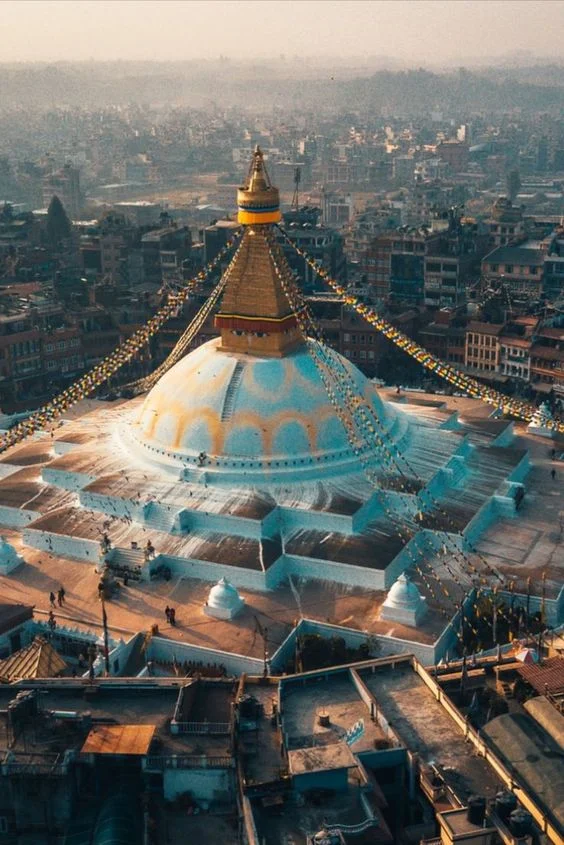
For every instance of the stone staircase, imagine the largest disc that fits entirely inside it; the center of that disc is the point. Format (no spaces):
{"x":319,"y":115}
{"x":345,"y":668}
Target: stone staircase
{"x":160,"y":520}
{"x":127,"y":561}
{"x":231,"y":392}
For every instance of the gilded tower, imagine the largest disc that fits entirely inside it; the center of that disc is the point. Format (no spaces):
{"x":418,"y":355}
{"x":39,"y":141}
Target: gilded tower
{"x":255,"y":315}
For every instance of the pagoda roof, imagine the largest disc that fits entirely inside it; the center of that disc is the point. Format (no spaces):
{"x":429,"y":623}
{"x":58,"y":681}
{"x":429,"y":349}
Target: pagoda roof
{"x":38,"y":660}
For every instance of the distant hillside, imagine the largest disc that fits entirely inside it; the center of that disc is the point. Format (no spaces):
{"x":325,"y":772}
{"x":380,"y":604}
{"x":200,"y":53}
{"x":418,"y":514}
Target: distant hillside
{"x":289,"y":83}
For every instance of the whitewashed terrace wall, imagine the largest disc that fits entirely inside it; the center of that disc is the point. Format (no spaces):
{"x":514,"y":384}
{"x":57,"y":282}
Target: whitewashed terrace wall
{"x":204,"y":784}
{"x":235,"y":664}
{"x":220,"y":523}
{"x":294,"y":519}
{"x":63,"y":447}
{"x":553,"y":608}
{"x":210,"y":571}
{"x":16,"y":517}
{"x":368,"y":511}
{"x":111,"y":505}
{"x":387,"y":646}
{"x":338,"y":573}
{"x":72,"y":481}
{"x":62,"y":545}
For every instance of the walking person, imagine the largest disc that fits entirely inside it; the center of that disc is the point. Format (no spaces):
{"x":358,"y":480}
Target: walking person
{"x":172,"y":615}
{"x":52,"y":621}
{"x":553,"y":474}
{"x":62,"y":593}
{"x":167,"y":614}
{"x":52,"y":598}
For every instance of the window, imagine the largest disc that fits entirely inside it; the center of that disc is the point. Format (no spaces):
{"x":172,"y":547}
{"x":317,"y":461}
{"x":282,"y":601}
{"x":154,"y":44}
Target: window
{"x":49,"y":347}
{"x":371,"y":355}
{"x":353,"y":338}
{"x":62,"y":344}
{"x":4,"y":828}
{"x":346,"y":337}
{"x":494,"y":268}
{"x":509,"y":268}
{"x":533,"y":269}
{"x":51,"y":365}
{"x":363,"y":355}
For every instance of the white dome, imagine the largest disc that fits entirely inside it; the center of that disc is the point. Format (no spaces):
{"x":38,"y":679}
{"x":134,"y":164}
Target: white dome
{"x":404,"y":603}
{"x":223,"y":601}
{"x":250,"y":419}
{"x":403,"y":593}
{"x":9,"y":558}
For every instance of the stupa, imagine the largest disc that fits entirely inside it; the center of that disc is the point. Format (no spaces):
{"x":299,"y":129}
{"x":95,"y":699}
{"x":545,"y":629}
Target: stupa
{"x":239,"y":464}
{"x":224,"y":601}
{"x":404,"y":603}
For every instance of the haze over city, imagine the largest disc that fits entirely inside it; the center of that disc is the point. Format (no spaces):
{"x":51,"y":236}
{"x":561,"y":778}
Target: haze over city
{"x":431,"y":32}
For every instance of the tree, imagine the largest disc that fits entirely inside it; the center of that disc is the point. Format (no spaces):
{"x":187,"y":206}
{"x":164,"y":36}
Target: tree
{"x":58,"y":223}
{"x":513,"y":181}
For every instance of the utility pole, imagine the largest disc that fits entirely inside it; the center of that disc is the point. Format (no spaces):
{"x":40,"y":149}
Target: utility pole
{"x":106,"y":638}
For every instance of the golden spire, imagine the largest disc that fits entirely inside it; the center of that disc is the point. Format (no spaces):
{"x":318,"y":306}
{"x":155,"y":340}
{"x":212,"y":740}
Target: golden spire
{"x":255,"y":315}
{"x":258,"y":200}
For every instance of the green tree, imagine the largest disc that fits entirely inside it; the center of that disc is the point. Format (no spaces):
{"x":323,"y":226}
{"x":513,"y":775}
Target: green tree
{"x":513,"y":181}
{"x":58,"y":223}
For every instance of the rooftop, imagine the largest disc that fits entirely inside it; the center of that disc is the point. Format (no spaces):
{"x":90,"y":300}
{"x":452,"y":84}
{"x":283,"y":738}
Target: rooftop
{"x":425,"y":727}
{"x":321,"y":758}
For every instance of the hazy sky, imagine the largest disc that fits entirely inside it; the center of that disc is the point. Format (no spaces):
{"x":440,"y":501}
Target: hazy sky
{"x":432,"y":31}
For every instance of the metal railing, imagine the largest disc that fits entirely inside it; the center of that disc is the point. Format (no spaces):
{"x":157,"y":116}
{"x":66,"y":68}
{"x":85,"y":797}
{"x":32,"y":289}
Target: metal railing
{"x":187,"y":761}
{"x":353,"y":829}
{"x":217,"y":728}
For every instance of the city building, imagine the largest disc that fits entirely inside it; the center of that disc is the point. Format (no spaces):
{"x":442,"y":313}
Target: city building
{"x":322,"y":242}
{"x":455,"y":153}
{"x":482,"y":350}
{"x":515,"y":348}
{"x":519,"y":267}
{"x":383,"y":750}
{"x":65,"y":184}
{"x":164,"y":253}
{"x":506,"y":224}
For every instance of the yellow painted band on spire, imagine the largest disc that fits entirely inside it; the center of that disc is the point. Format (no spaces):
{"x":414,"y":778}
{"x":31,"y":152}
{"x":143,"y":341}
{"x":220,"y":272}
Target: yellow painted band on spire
{"x":247,"y":218}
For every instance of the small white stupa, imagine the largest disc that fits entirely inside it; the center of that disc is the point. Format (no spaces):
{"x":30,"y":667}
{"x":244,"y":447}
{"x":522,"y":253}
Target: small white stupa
{"x":9,"y":558}
{"x":404,"y":603}
{"x":224,"y":601}
{"x":542,"y":416}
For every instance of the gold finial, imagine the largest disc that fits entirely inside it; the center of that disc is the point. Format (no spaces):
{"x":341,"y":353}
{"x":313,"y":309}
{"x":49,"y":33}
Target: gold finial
{"x":257,"y":179}
{"x":258,"y":200}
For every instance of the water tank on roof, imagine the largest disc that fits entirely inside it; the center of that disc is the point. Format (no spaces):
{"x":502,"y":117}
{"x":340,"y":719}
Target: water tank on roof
{"x":476,"y":810}
{"x":520,"y":822}
{"x":505,"y":803}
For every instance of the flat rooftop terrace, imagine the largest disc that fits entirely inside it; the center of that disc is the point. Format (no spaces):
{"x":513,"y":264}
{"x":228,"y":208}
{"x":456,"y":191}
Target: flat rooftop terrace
{"x":136,"y":705}
{"x":334,"y":696}
{"x":426,"y":728}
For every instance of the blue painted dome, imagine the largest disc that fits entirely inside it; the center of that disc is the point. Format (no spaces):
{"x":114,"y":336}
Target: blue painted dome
{"x":239,"y":415}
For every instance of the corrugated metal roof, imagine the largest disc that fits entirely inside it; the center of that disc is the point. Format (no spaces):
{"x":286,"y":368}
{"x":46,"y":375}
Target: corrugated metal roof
{"x":545,"y":677}
{"x":38,"y":660}
{"x":119,"y":739}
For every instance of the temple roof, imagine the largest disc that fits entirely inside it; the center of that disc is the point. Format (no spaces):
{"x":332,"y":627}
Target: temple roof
{"x":38,"y":660}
